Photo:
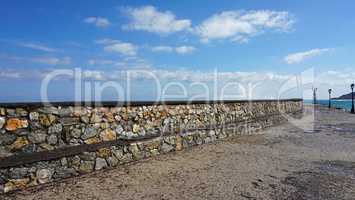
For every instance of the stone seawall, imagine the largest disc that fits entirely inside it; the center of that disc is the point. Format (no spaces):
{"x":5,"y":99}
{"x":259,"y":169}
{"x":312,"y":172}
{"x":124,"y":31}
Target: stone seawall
{"x":41,"y":144}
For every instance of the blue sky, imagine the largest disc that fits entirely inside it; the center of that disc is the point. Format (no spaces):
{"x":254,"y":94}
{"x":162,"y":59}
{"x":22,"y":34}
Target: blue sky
{"x":280,"y":39}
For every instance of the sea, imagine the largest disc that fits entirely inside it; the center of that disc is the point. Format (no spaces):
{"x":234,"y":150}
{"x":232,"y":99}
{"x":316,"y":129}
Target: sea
{"x":343,"y":104}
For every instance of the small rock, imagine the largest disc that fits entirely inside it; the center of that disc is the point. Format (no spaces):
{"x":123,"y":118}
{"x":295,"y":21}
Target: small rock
{"x":119,"y":129}
{"x":46,"y":120}
{"x":21,"y":112}
{"x":104,"y":152}
{"x":6,"y":139}
{"x":15,"y":184}
{"x":89,"y":133}
{"x":15,"y":123}
{"x":179,"y":146}
{"x":37,"y":137}
{"x":55,"y":129}
{"x":137,"y":154}
{"x":62,"y":173}
{"x":86,"y":166}
{"x":64,"y":162}
{"x":34,"y":116}
{"x":136,"y":128}
{"x":46,"y":146}
{"x":2,"y":122}
{"x":100,"y":164}
{"x":52,"y":139}
{"x":88,"y":156}
{"x":92,"y":140}
{"x":85,"y":119}
{"x":166,"y":148}
{"x":76,"y":133}
{"x":95,"y":118}
{"x":19,"y":143}
{"x":112,"y":161}
{"x":43,"y":176}
{"x":108,"y":135}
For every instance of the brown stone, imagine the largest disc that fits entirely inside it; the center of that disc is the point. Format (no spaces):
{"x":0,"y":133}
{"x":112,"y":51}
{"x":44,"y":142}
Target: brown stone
{"x":108,"y":135}
{"x":19,"y":143}
{"x":15,"y":123}
{"x":47,"y":120}
{"x":109,"y":116}
{"x":179,"y":146}
{"x":104,"y":153}
{"x":93,"y":140}
{"x":16,"y":184}
{"x":153,"y":145}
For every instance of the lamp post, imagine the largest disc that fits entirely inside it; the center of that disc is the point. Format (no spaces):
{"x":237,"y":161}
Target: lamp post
{"x":352,"y":98}
{"x":329,"y":91}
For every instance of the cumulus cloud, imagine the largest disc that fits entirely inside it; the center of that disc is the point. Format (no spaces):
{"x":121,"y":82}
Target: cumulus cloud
{"x":148,"y":18}
{"x":301,"y":56}
{"x":239,"y":26}
{"x":179,"y":49}
{"x":100,"y":22}
{"x":117,"y":46}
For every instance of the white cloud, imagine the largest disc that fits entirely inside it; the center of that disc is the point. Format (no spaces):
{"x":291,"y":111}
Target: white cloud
{"x":301,"y":56}
{"x":179,"y":50}
{"x":123,"y":48}
{"x":100,"y":62}
{"x":52,"y":60}
{"x":148,"y":18}
{"x":97,"y":21}
{"x":239,"y":26}
{"x":37,"y":46}
{"x":185,"y":49}
{"x":167,"y":49}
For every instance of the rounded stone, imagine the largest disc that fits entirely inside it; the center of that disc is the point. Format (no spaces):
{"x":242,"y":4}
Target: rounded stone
{"x":43,"y":176}
{"x":15,"y":123}
{"x":108,"y":135}
{"x":37,"y":137}
{"x":89,"y":133}
{"x":2,"y":122}
{"x":52,"y":139}
{"x":19,"y":143}
{"x":34,"y":116}
{"x":100,"y":163}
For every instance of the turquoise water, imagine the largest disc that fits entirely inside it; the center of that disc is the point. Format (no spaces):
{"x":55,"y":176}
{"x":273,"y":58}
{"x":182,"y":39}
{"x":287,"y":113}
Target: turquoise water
{"x":345,"y":104}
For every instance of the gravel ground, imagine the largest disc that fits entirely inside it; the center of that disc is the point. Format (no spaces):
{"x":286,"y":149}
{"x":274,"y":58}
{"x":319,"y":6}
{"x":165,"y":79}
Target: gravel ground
{"x":303,"y":159}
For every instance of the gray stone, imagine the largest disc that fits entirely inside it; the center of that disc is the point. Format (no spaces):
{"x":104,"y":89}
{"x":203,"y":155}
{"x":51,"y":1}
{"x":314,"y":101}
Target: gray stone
{"x":86,"y":166}
{"x":43,"y":176}
{"x":118,"y":153}
{"x":55,"y":129}
{"x":137,"y":154}
{"x":100,"y":163}
{"x":37,"y":137}
{"x":2,"y":122}
{"x":85,"y":119}
{"x":88,"y":156}
{"x":89,"y":133}
{"x":18,"y":173}
{"x":64,"y":162}
{"x":76,"y":133}
{"x":52,"y":139}
{"x":61,"y":173}
{"x":6,"y":139}
{"x":112,"y":161}
{"x":166,"y":148}
{"x":49,"y":110}
{"x":119,"y":129}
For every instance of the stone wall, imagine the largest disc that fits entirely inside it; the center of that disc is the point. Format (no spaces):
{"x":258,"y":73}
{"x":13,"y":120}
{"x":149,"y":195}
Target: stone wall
{"x":41,"y":144}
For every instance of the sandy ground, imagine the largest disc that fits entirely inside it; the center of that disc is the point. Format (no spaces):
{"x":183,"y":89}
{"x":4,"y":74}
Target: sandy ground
{"x":307,"y":159}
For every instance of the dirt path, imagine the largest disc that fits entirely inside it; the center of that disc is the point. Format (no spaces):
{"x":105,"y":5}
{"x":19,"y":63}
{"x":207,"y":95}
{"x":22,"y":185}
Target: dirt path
{"x":286,"y":162}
